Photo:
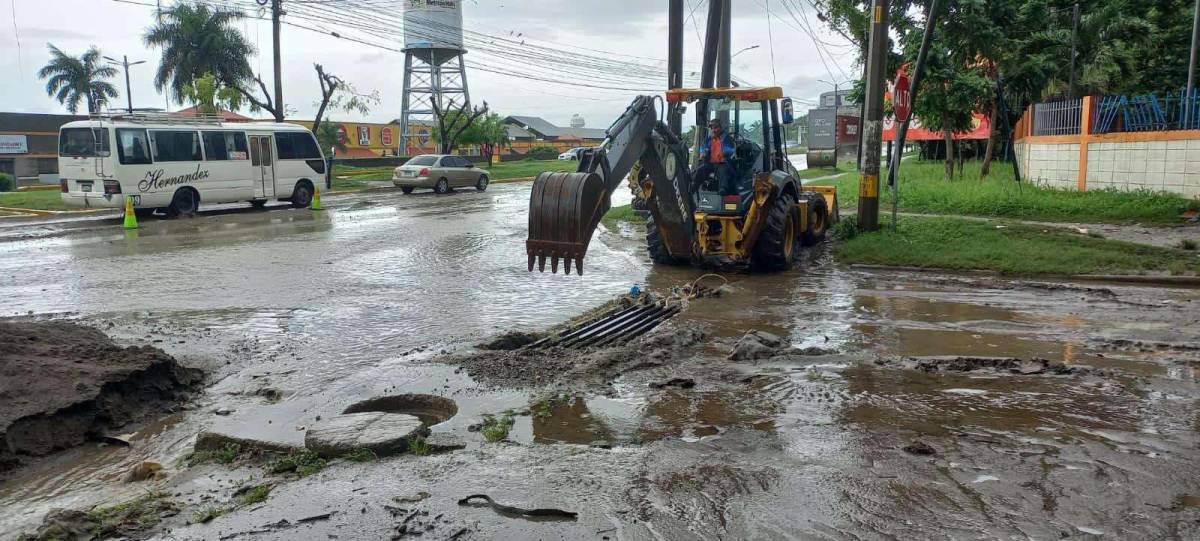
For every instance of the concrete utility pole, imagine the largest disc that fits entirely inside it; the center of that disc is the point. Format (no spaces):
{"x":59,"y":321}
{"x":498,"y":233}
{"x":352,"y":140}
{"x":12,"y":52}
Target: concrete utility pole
{"x":1074,"y":48}
{"x":125,"y":63}
{"x":675,"y":62}
{"x":1191,"y":81}
{"x":872,"y":129}
{"x":276,"y":12}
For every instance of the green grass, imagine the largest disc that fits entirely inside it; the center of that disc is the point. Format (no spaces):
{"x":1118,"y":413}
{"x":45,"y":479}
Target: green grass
{"x":528,"y":168}
{"x":495,"y":427}
{"x":37,"y":200}
{"x":843,"y":170}
{"x":923,"y":189}
{"x":956,"y":243}
{"x":224,"y":455}
{"x":302,"y":463}
{"x":253,"y":495}
{"x":140,"y":513}
{"x":207,"y":513}
{"x":361,"y":455}
{"x":623,"y":213}
{"x":418,"y":446}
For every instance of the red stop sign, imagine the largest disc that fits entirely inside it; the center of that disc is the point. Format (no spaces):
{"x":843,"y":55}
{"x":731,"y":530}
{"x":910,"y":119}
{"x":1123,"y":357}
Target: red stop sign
{"x":902,"y":96}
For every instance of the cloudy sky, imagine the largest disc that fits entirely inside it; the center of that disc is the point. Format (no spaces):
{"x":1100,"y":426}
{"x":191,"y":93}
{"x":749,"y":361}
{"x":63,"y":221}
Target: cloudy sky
{"x":631,"y":31}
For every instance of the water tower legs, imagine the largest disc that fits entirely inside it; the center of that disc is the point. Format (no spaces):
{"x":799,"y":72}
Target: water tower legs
{"x":429,"y":74}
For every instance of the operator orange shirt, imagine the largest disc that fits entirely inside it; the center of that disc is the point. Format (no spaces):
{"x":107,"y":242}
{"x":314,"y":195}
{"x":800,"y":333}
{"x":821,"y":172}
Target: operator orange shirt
{"x":716,"y":154}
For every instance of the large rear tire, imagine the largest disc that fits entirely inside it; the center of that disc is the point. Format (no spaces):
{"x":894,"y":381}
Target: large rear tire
{"x":656,"y":247}
{"x":818,"y":219}
{"x":778,"y":246}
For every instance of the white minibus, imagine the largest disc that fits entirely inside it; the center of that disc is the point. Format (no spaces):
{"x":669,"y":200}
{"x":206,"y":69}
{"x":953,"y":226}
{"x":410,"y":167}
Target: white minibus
{"x":174,"y":164}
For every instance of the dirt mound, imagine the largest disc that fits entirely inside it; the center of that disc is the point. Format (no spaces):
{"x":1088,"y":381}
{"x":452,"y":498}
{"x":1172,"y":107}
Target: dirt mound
{"x":62,"y":382}
{"x":510,"y":341}
{"x":539,"y":367}
{"x":1002,"y":365}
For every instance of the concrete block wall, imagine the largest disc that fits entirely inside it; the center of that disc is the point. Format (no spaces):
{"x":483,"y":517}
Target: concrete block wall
{"x":1171,"y":166}
{"x":1055,"y":165}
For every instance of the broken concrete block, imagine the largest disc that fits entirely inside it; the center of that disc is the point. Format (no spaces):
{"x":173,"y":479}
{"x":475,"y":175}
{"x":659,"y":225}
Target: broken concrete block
{"x":757,"y":345}
{"x":385,"y":434}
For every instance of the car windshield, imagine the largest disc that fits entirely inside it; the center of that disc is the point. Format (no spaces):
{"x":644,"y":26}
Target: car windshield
{"x":422,"y":160}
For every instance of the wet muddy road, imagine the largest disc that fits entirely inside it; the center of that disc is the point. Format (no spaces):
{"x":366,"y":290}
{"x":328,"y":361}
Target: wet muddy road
{"x":298,"y":315}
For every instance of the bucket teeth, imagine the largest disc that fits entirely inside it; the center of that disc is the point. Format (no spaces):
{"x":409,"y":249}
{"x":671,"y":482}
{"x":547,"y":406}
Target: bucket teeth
{"x":564,"y":211}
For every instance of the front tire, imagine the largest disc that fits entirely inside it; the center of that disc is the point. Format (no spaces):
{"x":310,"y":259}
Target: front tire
{"x":818,"y":219}
{"x":442,"y":186}
{"x":778,"y":246}
{"x":302,"y":195}
{"x":185,"y":203}
{"x":482,"y":184}
{"x":655,"y":246}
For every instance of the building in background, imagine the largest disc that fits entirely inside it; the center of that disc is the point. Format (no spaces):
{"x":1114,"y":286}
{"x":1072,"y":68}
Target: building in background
{"x":527,"y":132}
{"x":29,"y":146}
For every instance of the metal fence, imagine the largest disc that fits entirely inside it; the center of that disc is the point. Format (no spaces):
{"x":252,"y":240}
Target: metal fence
{"x":1057,"y":117}
{"x":1149,"y":112}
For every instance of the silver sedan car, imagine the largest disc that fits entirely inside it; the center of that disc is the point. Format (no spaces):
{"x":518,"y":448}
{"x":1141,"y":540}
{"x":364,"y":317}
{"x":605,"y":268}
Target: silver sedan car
{"x":439,"y":172}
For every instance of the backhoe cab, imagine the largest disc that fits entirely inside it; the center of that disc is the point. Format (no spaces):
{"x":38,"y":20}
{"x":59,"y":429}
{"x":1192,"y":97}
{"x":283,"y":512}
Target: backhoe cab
{"x":771,"y":215}
{"x":762,"y":222}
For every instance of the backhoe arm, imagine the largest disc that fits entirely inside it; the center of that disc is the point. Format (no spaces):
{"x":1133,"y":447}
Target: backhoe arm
{"x":566,"y":208}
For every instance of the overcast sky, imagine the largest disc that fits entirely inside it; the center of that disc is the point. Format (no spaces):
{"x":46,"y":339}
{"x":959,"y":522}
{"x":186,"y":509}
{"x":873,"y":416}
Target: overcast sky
{"x":625,"y":27}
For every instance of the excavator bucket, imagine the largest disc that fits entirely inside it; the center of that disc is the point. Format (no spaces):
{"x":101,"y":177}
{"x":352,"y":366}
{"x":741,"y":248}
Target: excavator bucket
{"x":564,"y":210}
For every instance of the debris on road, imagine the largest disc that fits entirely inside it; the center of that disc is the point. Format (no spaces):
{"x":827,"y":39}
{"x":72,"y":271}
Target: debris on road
{"x":755,"y":345}
{"x":511,"y":511}
{"x":62,"y":382}
{"x":384,"y":434}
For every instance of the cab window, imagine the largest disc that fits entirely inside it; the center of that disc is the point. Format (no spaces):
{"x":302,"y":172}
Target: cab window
{"x":133,"y":147}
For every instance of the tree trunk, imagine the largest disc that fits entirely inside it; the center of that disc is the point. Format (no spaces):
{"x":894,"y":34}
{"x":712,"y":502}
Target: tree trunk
{"x":949,"y":138}
{"x":991,"y":143}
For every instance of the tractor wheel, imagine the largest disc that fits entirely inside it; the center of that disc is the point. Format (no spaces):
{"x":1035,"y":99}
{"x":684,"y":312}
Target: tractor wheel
{"x":778,"y":245}
{"x":656,"y":247}
{"x":818,"y":219}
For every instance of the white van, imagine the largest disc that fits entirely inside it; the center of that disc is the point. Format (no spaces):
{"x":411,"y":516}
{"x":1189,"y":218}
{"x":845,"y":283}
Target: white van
{"x":173,"y":164}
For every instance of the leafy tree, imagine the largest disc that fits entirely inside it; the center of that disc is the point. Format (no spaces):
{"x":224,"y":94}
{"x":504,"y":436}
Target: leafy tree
{"x":71,"y":79}
{"x":327,"y":137}
{"x":451,"y":123}
{"x":488,"y":132}
{"x":338,"y":95}
{"x":210,"y":96}
{"x":196,"y":40}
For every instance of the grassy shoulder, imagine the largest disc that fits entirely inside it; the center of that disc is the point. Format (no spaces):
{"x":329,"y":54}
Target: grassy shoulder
{"x":623,"y":213}
{"x":963,"y":244}
{"x":37,"y":200}
{"x":923,"y":189}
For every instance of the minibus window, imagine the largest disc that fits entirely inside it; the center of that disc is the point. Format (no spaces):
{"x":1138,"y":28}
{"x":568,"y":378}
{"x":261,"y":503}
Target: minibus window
{"x":225,"y":145}
{"x":81,"y":142}
{"x":132,"y":147}
{"x":176,"y":146}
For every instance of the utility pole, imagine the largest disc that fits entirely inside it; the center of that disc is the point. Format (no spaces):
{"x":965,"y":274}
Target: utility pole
{"x":1191,"y":81}
{"x":276,"y":12}
{"x":125,"y":63}
{"x":1074,"y":48}
{"x":872,"y":129}
{"x":675,"y":63}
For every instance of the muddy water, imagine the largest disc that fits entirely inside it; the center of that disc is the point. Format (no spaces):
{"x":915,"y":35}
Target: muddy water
{"x":298,"y":315}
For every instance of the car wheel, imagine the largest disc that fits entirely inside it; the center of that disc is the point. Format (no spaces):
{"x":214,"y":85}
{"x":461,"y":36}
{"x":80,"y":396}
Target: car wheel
{"x":482,"y":184}
{"x":302,"y":195}
{"x":406,"y":189}
{"x":258,"y":203}
{"x":442,"y":186}
{"x":185,"y":203}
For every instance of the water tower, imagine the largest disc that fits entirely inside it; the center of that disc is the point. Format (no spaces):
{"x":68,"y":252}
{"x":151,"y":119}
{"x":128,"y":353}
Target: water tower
{"x":434,"y":71}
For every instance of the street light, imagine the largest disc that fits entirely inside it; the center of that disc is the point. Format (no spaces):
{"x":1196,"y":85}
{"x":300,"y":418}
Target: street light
{"x":125,"y":63}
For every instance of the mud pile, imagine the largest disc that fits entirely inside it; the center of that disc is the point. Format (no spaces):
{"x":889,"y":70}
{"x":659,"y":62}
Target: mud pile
{"x":62,"y":383}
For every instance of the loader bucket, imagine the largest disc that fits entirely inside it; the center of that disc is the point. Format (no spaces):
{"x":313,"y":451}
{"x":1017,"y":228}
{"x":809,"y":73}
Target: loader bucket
{"x":564,"y":210}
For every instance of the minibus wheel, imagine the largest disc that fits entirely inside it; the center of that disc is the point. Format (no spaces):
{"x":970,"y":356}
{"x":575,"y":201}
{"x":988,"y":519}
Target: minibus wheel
{"x":184,"y":203}
{"x":302,"y":195}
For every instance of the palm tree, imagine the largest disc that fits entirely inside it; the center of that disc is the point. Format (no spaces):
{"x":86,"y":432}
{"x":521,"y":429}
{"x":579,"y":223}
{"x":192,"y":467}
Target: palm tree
{"x":71,"y":79}
{"x":196,"y":40}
